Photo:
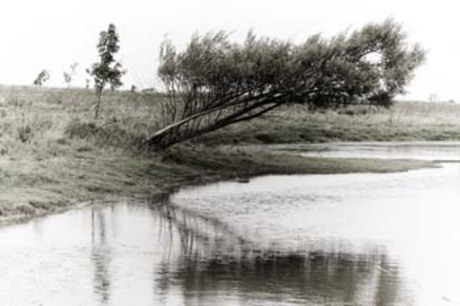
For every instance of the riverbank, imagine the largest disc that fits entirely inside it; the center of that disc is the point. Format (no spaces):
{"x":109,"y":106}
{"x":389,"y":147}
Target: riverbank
{"x":61,"y":176}
{"x":53,"y":155}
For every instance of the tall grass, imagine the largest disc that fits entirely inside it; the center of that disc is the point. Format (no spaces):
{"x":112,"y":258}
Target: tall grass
{"x":35,"y":116}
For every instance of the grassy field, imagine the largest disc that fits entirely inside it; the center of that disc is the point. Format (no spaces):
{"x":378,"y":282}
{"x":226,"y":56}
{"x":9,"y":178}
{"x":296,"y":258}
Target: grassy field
{"x":405,"y":121}
{"x":53,"y":155}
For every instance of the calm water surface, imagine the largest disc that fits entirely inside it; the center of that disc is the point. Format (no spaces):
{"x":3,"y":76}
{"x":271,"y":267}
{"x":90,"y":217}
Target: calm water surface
{"x":388,"y":150}
{"x":355,"y":239}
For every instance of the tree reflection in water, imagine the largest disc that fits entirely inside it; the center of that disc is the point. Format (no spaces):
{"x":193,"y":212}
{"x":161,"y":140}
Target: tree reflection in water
{"x":208,"y":263}
{"x":100,"y":256}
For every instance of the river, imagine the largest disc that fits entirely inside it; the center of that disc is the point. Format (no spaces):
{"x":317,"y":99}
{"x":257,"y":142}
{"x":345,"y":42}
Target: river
{"x":352,"y":239}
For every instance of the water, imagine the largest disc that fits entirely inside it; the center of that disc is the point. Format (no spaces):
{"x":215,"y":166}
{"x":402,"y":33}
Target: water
{"x":446,"y":150}
{"x":354,"y":239}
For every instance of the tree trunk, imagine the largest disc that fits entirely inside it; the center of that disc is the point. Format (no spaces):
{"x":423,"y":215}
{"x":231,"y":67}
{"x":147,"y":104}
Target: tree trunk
{"x":172,"y":134}
{"x":98,"y":103}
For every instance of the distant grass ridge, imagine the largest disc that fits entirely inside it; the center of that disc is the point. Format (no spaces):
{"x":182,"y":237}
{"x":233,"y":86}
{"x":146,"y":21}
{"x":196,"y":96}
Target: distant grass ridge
{"x":406,"y":121}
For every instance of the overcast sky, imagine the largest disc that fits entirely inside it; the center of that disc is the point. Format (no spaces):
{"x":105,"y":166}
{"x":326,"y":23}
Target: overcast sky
{"x":53,"y":34}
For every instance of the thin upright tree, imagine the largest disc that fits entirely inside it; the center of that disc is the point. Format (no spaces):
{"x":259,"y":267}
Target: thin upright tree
{"x":108,"y":71}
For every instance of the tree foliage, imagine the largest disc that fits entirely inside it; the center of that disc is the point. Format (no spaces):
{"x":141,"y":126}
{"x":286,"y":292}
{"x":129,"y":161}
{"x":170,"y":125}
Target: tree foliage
{"x":42,"y":77}
{"x":214,"y":82}
{"x":69,"y":75}
{"x":107,"y":70}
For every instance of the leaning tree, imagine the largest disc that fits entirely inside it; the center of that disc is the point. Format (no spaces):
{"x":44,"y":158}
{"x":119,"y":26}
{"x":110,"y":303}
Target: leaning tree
{"x":214,"y":83}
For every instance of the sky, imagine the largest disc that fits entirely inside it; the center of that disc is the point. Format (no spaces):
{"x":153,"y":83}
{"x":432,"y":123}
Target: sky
{"x":53,"y":34}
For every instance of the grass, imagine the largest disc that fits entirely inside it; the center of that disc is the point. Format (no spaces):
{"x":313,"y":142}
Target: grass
{"x":54,"y":156}
{"x":406,"y":121}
